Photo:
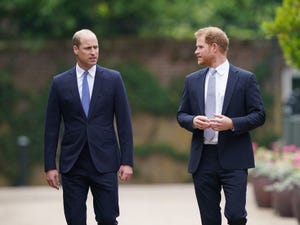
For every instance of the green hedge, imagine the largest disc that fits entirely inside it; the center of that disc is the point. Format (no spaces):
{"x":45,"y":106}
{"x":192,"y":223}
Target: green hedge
{"x":147,"y":150}
{"x":144,"y":91}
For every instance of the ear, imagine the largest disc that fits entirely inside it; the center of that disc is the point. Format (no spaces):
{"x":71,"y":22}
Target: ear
{"x":215,"y":47}
{"x":75,"y":49}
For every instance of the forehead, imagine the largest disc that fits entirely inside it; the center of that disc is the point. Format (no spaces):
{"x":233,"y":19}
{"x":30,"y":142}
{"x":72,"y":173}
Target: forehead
{"x":200,"y":41}
{"x":88,"y":39}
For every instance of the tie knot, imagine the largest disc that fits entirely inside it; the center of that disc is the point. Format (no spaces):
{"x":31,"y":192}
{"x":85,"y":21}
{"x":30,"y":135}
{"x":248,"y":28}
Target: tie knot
{"x":85,"y":73}
{"x":213,"y":71}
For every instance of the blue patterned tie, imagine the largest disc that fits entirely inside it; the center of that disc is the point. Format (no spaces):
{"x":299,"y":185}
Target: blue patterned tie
{"x":210,"y":104}
{"x":85,"y":98}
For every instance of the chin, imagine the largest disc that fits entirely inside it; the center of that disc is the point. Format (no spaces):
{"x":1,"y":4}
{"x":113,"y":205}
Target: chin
{"x":93,"y":63}
{"x":199,"y":61}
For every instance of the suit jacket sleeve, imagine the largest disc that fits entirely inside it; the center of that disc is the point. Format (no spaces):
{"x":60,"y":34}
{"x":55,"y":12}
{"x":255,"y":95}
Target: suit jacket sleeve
{"x":186,"y":111}
{"x":52,"y":127}
{"x":124,"y":125}
{"x":254,"y":110}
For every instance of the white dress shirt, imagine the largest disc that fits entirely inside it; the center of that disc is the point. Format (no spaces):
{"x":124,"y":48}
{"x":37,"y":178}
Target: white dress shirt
{"x":90,"y":79}
{"x":221,"y":82}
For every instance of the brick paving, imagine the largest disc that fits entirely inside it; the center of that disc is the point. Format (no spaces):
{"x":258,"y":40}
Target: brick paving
{"x":159,"y":204}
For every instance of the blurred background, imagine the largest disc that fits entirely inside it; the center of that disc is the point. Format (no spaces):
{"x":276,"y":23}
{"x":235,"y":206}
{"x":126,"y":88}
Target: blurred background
{"x":152,"y":44}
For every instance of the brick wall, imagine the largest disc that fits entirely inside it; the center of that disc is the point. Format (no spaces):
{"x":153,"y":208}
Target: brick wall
{"x":33,"y":64}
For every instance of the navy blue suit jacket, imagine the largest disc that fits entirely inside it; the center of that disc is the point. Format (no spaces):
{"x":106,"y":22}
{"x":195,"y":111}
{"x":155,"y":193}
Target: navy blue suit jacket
{"x":109,"y":103}
{"x":242,"y":103}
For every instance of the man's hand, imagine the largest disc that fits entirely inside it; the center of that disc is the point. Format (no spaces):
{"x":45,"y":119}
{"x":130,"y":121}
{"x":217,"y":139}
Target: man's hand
{"x":201,"y":122}
{"x":52,"y":178}
{"x":125,"y":172}
{"x":220,"y":123}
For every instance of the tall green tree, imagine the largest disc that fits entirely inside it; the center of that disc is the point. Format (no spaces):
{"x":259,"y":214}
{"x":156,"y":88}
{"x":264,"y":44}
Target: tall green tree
{"x":286,"y":27}
{"x":45,"y":18}
{"x":240,"y":19}
{"x":157,"y":18}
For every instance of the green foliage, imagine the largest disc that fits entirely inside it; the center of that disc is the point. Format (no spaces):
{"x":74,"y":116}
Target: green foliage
{"x":45,"y":18}
{"x":240,"y":19}
{"x":125,"y":17}
{"x":266,"y":134}
{"x":156,"y":18}
{"x":7,"y":98}
{"x":7,"y":119}
{"x":145,"y":93}
{"x":21,"y":114}
{"x":175,"y":92}
{"x":285,"y":27}
{"x":146,"y":150}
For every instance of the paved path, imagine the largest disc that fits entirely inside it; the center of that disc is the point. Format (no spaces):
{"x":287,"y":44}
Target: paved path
{"x":165,"y":204}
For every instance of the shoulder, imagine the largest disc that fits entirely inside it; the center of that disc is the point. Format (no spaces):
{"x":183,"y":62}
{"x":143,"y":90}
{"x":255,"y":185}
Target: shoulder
{"x":63,"y":79}
{"x":109,"y":76}
{"x":196,"y":74}
{"x":65,"y":75}
{"x":107,"y":72}
{"x":243,"y":75}
{"x":239,"y":70}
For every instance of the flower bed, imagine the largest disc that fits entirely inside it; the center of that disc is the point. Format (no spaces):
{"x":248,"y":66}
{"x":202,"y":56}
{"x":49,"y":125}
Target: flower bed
{"x":280,"y":168}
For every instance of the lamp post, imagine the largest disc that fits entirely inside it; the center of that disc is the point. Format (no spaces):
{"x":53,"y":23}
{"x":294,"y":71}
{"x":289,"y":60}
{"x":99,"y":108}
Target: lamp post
{"x":23,"y":143}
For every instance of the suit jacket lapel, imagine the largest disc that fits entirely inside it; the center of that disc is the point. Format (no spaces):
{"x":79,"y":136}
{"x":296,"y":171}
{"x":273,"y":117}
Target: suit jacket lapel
{"x":231,"y":84}
{"x":96,"y":88}
{"x":74,"y":87}
{"x":201,"y":91}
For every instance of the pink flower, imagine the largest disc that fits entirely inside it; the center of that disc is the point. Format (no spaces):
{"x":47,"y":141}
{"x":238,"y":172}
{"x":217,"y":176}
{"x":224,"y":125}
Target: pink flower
{"x":296,"y":159}
{"x":289,"y":148}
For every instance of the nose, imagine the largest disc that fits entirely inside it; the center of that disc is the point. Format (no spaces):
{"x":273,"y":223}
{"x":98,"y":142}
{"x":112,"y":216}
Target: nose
{"x":196,"y":51}
{"x":93,"y":51}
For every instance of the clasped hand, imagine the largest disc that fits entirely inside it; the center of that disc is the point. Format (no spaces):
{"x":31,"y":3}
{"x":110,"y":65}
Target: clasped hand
{"x":218,"y":123}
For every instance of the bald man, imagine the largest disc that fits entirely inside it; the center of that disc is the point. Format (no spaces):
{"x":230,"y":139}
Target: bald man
{"x":93,"y":152}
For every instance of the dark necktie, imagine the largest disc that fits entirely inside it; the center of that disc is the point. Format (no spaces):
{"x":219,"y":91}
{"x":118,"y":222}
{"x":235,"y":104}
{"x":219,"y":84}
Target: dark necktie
{"x":85,"y":98}
{"x":210,"y":104}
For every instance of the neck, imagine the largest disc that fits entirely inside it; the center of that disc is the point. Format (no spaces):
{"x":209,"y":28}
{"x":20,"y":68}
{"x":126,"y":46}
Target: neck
{"x":218,"y":61}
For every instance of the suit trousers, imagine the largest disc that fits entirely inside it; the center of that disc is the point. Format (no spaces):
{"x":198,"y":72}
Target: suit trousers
{"x":104,"y":188}
{"x":209,"y":180}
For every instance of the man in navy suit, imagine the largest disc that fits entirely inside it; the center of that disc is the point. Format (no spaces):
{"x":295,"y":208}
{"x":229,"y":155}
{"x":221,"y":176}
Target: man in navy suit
{"x":221,"y":147}
{"x":90,"y":100}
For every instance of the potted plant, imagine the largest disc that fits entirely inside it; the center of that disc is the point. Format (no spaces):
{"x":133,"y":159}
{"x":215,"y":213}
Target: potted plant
{"x":282,"y":189}
{"x":260,"y":176}
{"x":295,"y":181}
{"x":286,"y":174}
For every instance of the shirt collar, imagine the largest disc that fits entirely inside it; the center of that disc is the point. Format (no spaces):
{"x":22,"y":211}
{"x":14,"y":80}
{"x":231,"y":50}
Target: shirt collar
{"x":223,"y":69}
{"x":80,"y":71}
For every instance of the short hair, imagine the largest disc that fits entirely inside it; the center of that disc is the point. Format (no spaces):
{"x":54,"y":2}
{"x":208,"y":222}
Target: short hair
{"x":214,"y":35}
{"x":76,"y":37}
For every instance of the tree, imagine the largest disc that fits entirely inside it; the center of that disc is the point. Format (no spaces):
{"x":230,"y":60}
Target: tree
{"x":240,"y":19}
{"x":286,"y":27}
{"x":157,"y":18}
